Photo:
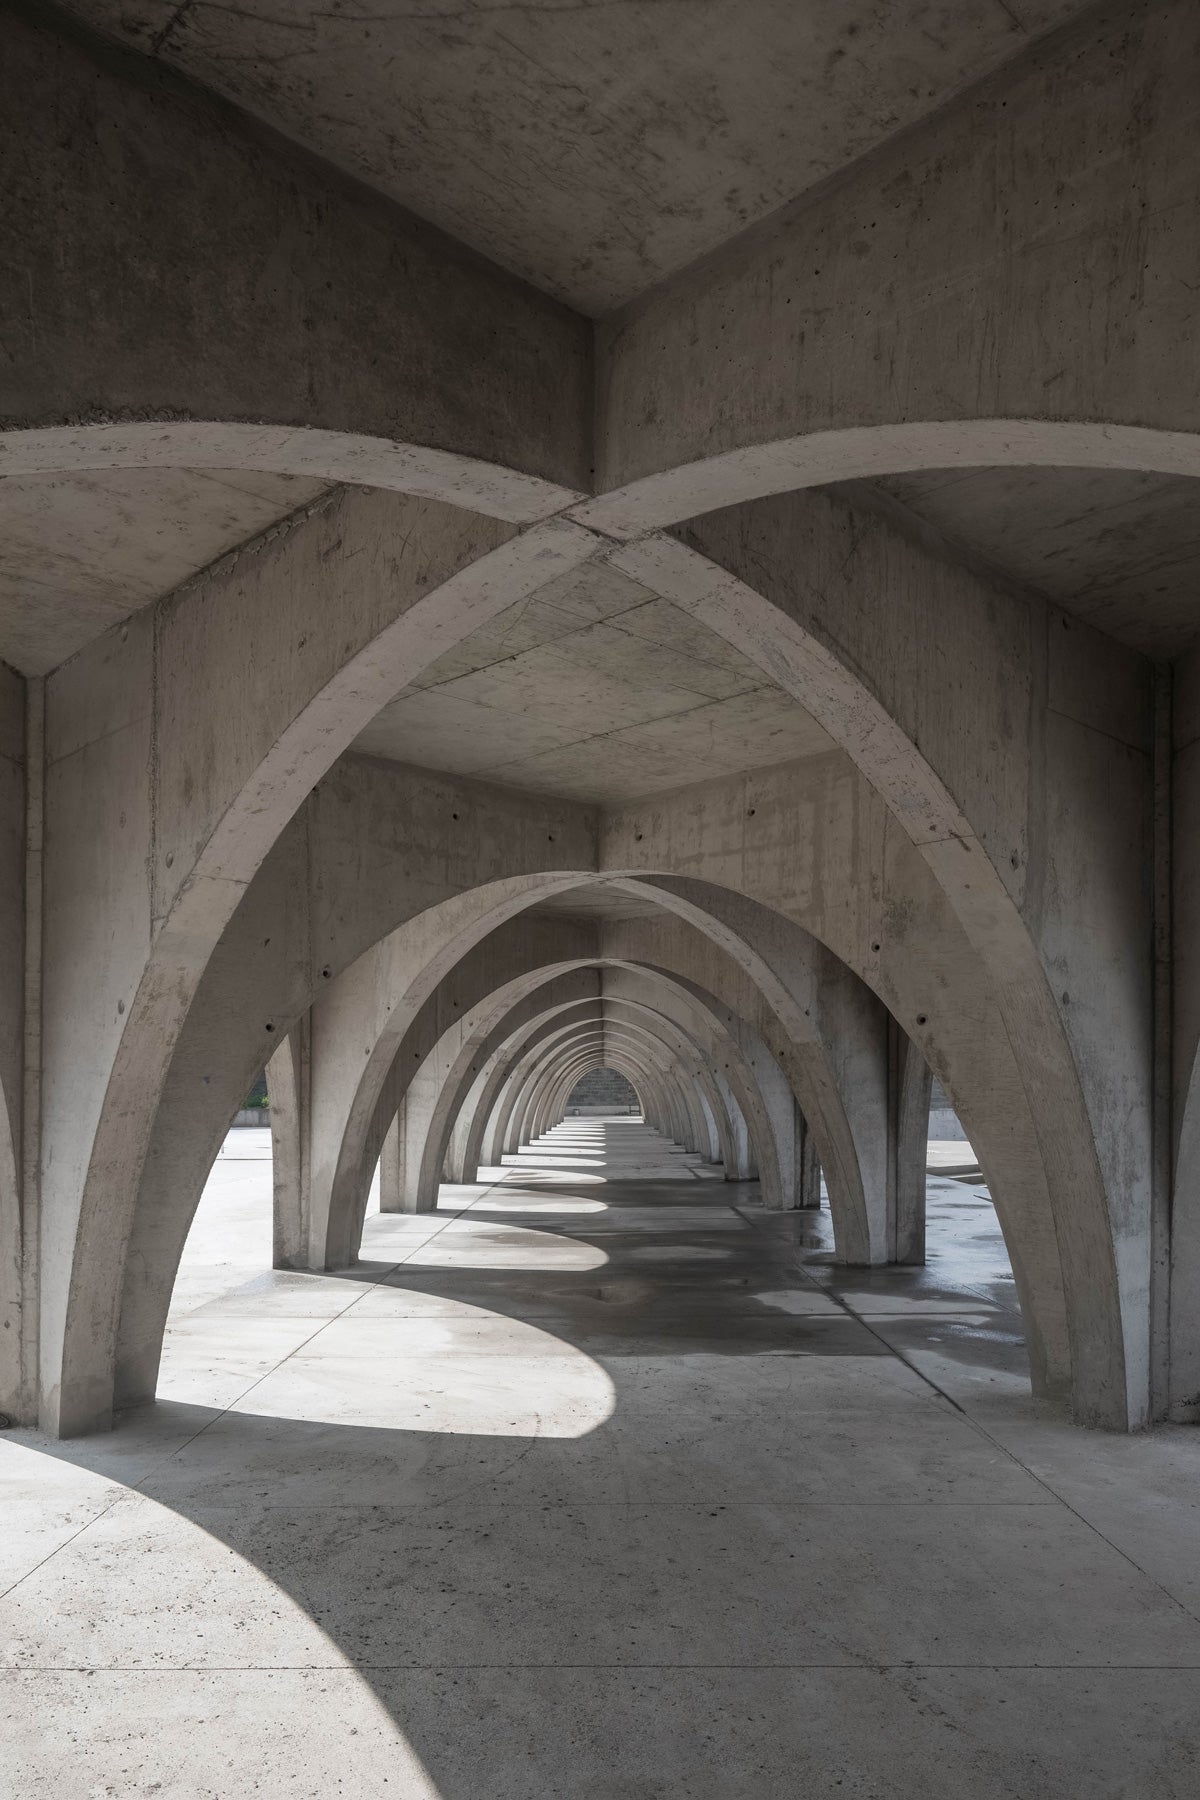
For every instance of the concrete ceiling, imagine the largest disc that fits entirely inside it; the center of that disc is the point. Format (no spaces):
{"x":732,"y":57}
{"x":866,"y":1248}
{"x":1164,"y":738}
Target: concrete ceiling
{"x":592,"y":149}
{"x":1118,"y":550}
{"x":81,"y":552}
{"x":595,"y":689}
{"x":598,"y":902}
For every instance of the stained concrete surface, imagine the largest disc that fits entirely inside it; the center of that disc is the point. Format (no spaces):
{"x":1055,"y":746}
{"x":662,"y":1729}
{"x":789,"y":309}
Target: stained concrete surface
{"x":83,"y":551}
{"x":1117,"y":548}
{"x":592,"y":149}
{"x":596,"y":689}
{"x":603,"y":1482}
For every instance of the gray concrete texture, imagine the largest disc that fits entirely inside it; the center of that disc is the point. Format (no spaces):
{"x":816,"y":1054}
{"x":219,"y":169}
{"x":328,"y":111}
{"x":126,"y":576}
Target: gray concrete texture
{"x":602,"y":1091}
{"x":653,"y":538}
{"x":565,"y":1489}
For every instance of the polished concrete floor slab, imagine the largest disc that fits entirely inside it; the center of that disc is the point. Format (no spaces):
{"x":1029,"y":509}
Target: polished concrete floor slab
{"x":599,"y":1484}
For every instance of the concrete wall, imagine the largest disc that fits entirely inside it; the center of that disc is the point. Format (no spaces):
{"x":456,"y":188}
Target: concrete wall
{"x":600,"y":1091}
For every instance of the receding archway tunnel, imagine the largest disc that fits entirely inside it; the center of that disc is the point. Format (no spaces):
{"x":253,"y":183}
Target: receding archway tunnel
{"x":609,"y":595}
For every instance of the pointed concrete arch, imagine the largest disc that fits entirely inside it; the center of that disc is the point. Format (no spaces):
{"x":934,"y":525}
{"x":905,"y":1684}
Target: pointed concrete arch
{"x":661,"y":1006}
{"x":789,"y":1005}
{"x":682,"y":1069}
{"x":252,"y":994}
{"x":527,"y":1072}
{"x":1073,"y":1139}
{"x":673,"y":1075}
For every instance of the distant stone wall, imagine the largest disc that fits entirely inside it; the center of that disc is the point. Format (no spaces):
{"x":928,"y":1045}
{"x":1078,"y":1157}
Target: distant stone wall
{"x":943,"y":1120}
{"x":601,"y":1091}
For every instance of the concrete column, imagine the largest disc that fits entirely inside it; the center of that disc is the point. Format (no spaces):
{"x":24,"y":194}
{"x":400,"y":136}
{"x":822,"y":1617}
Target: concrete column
{"x":806,"y":1164}
{"x":910,"y":1083}
{"x":419,"y":1185}
{"x":741,"y":1164}
{"x":21,"y":859}
{"x":1180,"y":1065}
{"x":289,"y":1092}
{"x":391,"y":1165}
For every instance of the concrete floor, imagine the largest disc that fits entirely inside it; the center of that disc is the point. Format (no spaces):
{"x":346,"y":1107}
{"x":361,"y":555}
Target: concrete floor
{"x":600,"y":1483}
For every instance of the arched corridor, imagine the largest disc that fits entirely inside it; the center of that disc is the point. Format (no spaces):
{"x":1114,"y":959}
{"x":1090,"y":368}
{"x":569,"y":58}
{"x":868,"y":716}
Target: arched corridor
{"x":599,"y":613}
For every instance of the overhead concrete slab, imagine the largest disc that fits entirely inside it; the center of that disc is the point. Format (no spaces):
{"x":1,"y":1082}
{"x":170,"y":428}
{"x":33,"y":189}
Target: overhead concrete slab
{"x":1118,"y":549}
{"x":591,"y":149}
{"x":596,"y":689}
{"x":84,"y":551}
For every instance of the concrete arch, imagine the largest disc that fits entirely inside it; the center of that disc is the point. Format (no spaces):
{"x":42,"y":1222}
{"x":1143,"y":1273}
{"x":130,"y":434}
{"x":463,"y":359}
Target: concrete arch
{"x":372,"y":998}
{"x":185,"y":1138}
{"x":822,"y":1024}
{"x":691,"y":1092}
{"x":491,"y":1104}
{"x":698,"y":1131}
{"x":686,"y":1020}
{"x":811,"y":1010}
{"x":356,"y":458}
{"x":1107,"y":1317}
{"x":214,"y":846}
{"x":254,"y":1053}
{"x":532,"y":1085}
{"x":585,"y":1057}
{"x":394,"y":1001}
{"x":642,"y":1045}
{"x":729,"y":1069}
{"x":534,"y":1067}
{"x":931,"y":818}
{"x":971,"y":1055}
{"x":758,"y":470}
{"x":510,"y":1108}
{"x":462,"y":1155}
{"x":673,"y":1079}
{"x":520,"y":1005}
{"x":220,"y":1050}
{"x":474,"y":1054}
{"x":484,"y":1139}
{"x":641,"y":1053}
{"x":934,"y":825}
{"x":247,"y":1001}
{"x":517,"y":895}
{"x":769,"y":1107}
